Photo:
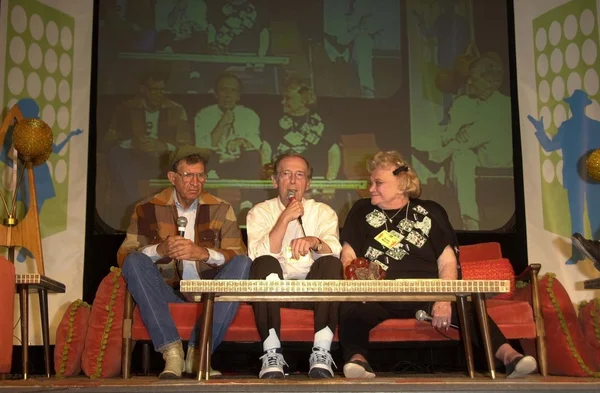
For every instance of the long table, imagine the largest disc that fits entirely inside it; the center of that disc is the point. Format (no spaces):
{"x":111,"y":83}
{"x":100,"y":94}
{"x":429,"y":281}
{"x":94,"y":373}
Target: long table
{"x":209,"y":291}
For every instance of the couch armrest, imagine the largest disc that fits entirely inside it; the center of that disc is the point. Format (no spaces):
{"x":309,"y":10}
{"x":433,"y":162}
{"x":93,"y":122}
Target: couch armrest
{"x":529,"y":273}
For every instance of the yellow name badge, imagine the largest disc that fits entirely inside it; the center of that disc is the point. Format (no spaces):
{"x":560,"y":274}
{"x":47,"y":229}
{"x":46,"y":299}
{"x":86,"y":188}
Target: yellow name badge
{"x":387,"y":239}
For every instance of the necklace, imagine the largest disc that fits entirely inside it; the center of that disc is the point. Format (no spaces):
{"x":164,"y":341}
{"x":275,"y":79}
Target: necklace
{"x":387,"y":260}
{"x":395,"y":214}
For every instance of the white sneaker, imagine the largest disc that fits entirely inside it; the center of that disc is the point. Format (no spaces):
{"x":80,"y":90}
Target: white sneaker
{"x":174,"y":363}
{"x":320,"y":364}
{"x":191,"y":363}
{"x":272,"y":365}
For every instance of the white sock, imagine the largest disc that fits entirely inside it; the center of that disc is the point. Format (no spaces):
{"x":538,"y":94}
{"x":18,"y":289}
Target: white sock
{"x":323,"y":338}
{"x":272,"y":342}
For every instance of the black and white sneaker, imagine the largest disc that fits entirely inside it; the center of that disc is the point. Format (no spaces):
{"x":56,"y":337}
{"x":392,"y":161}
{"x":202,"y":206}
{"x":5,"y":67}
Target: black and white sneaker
{"x":320,"y":364}
{"x":272,"y":365}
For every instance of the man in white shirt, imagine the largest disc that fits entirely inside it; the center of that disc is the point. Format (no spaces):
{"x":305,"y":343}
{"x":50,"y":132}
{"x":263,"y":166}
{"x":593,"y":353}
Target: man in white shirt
{"x":232,"y":131}
{"x":154,"y":258}
{"x":290,"y":237}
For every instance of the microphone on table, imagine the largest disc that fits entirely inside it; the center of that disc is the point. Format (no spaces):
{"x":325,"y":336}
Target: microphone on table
{"x":291,"y":196}
{"x":423,"y":316}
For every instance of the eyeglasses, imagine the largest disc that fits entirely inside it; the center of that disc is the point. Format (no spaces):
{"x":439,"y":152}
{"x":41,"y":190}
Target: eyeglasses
{"x":187,"y":176}
{"x":287,"y":175}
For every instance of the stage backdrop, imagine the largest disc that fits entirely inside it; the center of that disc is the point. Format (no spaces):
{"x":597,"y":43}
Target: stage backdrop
{"x":45,"y":63}
{"x":557,"y":71}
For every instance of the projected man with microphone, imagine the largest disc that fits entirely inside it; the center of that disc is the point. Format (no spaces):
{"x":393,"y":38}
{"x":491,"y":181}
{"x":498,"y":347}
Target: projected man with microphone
{"x":181,"y":233}
{"x":293,"y":238}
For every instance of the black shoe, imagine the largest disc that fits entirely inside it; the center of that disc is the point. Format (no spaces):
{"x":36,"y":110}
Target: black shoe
{"x":521,"y":366}
{"x":358,"y":369}
{"x":590,"y":248}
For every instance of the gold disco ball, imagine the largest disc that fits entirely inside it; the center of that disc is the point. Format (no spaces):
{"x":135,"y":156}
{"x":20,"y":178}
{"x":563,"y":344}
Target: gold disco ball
{"x":39,"y":160}
{"x":593,"y":165}
{"x":32,"y":139}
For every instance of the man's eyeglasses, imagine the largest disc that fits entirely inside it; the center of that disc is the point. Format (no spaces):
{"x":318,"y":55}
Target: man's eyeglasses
{"x":187,"y":176}
{"x":287,"y":175}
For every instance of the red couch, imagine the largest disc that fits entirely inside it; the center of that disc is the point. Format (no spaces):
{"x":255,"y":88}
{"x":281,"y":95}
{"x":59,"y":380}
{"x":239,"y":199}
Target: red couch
{"x":516,"y":319}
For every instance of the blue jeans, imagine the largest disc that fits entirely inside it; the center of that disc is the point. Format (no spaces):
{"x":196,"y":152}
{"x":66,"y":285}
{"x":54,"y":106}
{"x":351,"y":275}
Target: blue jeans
{"x":153,"y":295}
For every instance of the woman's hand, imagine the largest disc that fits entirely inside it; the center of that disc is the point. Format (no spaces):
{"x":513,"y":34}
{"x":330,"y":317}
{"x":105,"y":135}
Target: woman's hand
{"x":442,"y":315}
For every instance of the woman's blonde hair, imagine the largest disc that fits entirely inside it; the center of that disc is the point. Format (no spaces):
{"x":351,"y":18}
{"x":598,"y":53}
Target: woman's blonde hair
{"x":410,"y":184}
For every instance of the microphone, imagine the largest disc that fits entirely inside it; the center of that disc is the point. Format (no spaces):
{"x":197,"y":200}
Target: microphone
{"x":291,"y":196}
{"x":423,"y":316}
{"x":181,"y":224}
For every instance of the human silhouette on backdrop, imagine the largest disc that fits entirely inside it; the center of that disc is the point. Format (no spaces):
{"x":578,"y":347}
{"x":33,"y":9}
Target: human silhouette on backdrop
{"x":576,"y":137}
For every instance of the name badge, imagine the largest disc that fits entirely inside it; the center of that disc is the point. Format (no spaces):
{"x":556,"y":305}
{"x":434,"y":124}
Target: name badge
{"x":387,"y":239}
{"x":290,"y":258}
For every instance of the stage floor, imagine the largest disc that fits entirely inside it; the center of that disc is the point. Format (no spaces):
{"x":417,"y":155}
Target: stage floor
{"x":301,"y":383}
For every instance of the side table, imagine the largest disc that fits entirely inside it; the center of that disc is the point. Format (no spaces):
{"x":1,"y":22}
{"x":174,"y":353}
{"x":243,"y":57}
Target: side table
{"x":26,"y":283}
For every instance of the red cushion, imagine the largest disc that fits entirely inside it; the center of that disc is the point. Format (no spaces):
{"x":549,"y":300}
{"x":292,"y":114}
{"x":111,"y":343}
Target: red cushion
{"x":70,"y":339}
{"x":490,"y":269}
{"x":102,"y":352}
{"x":7,"y":299}
{"x":568,"y":352}
{"x":589,"y":320}
{"x":514,"y":318}
{"x":481,"y":251}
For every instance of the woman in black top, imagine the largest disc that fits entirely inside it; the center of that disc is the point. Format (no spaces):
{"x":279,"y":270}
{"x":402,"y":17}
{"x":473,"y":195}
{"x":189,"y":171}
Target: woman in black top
{"x":408,"y":238}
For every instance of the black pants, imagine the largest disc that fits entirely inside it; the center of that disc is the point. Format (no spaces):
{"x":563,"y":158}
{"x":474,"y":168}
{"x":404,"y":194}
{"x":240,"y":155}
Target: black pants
{"x":357,"y":320}
{"x":266,"y":314}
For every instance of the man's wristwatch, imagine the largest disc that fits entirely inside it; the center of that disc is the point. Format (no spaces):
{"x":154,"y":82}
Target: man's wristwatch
{"x":319,"y":246}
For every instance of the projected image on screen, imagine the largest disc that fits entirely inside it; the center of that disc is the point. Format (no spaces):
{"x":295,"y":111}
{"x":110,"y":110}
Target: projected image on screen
{"x":333,"y":80}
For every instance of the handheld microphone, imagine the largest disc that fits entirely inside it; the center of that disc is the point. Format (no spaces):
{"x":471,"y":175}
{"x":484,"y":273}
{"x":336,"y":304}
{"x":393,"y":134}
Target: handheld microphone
{"x":291,"y":196}
{"x":423,"y":316}
{"x":181,"y":224}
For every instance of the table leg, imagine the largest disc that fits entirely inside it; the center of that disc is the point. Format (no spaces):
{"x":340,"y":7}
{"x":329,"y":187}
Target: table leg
{"x":207,"y":317}
{"x":465,"y":332}
{"x":24,"y":302}
{"x":43,"y":296}
{"x":481,"y":310}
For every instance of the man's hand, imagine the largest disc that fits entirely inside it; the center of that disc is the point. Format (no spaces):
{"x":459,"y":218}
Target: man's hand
{"x":177,"y":247}
{"x":151,"y":145}
{"x":442,"y":314}
{"x":462,"y":136}
{"x":236,"y":146}
{"x":303,"y":245}
{"x":227,"y":118}
{"x":293,"y":210}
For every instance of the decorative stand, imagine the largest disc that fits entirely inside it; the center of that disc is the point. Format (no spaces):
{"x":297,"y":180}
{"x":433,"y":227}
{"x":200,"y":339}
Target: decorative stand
{"x":26,"y":232}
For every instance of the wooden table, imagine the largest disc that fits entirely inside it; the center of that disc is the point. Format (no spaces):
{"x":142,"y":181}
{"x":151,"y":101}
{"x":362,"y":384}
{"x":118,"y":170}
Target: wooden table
{"x":26,"y":283}
{"x":209,"y":291}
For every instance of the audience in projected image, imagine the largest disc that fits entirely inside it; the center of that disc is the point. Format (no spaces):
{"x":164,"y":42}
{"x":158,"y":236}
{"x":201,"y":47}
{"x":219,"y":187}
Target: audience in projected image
{"x":301,"y":130}
{"x":232,"y":131}
{"x":142,"y":132}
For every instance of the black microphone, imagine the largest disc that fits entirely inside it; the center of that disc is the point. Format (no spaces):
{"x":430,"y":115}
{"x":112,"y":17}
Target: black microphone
{"x":181,"y":224}
{"x":423,"y":316}
{"x":291,"y":196}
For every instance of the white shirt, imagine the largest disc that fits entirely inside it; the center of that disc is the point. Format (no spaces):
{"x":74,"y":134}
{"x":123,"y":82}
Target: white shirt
{"x":319,"y":220}
{"x":189,"y":267}
{"x":246,"y":125}
{"x":490,"y":131}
